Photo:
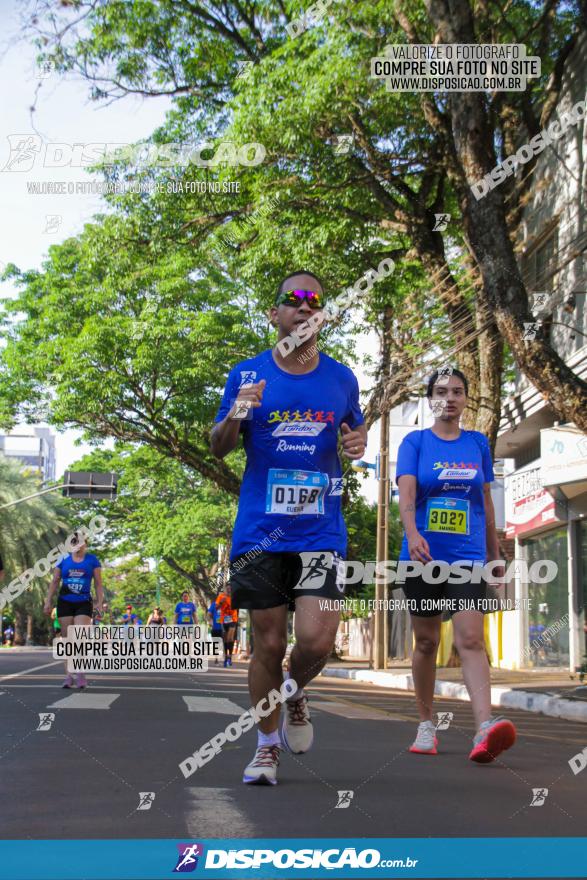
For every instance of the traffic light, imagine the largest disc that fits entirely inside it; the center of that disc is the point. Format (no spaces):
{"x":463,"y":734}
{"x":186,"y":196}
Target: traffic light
{"x":87,"y":484}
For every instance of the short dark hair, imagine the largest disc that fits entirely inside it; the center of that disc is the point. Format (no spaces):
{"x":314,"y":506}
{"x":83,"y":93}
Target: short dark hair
{"x":437,"y":373}
{"x":292,"y":274}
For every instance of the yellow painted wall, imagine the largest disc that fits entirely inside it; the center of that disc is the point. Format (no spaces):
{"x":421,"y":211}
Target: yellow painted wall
{"x":492,"y":629}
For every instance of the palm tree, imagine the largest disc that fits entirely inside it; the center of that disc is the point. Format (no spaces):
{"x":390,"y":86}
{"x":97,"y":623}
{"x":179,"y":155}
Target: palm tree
{"x":27,"y":532}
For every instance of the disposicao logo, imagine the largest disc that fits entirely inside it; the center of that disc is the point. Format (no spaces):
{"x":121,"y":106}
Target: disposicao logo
{"x":187,"y":859}
{"x":289,"y":858}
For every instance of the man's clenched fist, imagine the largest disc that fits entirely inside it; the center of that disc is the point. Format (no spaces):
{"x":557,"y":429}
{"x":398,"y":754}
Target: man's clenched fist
{"x":353,"y":442}
{"x":249,"y":397}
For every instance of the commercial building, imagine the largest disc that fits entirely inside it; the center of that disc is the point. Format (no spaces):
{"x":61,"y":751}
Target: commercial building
{"x":546,"y":493}
{"x":33,"y":446}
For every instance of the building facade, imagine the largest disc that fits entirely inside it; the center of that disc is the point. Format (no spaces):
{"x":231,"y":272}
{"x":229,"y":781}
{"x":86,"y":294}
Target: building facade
{"x":546,"y":492}
{"x":34,"y":447}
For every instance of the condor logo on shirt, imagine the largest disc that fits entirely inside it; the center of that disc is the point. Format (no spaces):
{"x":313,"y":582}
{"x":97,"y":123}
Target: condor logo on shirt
{"x":299,"y":424}
{"x":298,"y":429}
{"x":457,"y":474}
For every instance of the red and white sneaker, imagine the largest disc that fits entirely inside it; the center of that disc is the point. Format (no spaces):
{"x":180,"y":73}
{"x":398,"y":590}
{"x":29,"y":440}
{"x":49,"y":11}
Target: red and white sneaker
{"x":263,"y":768}
{"x":494,"y":737}
{"x":426,"y":741}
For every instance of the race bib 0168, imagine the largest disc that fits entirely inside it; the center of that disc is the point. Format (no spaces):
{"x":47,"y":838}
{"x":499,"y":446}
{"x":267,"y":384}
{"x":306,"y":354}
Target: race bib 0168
{"x":295,"y":492}
{"x":449,"y":515}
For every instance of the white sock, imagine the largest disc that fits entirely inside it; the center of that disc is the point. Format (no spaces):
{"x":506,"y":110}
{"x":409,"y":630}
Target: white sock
{"x":268,"y":739}
{"x":298,"y":694}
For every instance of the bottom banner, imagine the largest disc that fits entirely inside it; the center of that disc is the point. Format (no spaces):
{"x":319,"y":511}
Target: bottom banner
{"x":472,"y":857}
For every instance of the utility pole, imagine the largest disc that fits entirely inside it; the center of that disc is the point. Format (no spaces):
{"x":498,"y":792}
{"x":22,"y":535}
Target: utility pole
{"x":380,"y":634}
{"x":157,"y":583}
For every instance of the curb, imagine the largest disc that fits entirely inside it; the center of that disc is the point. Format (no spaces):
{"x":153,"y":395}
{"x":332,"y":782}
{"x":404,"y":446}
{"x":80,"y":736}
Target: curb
{"x":527,"y":701}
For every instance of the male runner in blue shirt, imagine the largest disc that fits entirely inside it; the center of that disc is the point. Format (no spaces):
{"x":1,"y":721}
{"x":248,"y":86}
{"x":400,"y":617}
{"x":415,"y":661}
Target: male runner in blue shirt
{"x":290,"y":410}
{"x":185,"y":611}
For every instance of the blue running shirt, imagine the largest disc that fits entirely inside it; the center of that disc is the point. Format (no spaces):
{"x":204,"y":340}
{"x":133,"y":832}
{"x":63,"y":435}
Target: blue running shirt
{"x":293,"y":477}
{"x":450,"y":511}
{"x":214,"y":611}
{"x":76,"y":577}
{"x":185,"y":612}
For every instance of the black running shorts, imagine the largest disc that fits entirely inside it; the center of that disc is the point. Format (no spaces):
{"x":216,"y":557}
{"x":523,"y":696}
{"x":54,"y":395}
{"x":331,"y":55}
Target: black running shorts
{"x":429,"y":600}
{"x":268,"y":580}
{"x":74,"y":609}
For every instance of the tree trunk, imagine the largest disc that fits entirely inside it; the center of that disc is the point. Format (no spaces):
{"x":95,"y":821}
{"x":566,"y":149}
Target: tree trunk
{"x":202,"y":588}
{"x":430,"y":248}
{"x":480,"y":358}
{"x":504,"y":293}
{"x":490,"y":344}
{"x":29,"y":629}
{"x":19,"y":626}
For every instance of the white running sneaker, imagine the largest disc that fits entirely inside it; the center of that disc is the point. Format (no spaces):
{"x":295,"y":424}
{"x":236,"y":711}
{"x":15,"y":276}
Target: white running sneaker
{"x":297,"y":732}
{"x":263,"y":768}
{"x":426,"y":739}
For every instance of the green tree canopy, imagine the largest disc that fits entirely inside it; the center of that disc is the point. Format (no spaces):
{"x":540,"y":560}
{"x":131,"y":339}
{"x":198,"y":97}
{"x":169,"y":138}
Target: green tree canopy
{"x":340,"y":212}
{"x":164,"y":512}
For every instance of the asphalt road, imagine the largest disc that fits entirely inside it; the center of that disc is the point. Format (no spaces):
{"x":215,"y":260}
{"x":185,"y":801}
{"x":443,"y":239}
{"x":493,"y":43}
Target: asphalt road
{"x":82,"y":777}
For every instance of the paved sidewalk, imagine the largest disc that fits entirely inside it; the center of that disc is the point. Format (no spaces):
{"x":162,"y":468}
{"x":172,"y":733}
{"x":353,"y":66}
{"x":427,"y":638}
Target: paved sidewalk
{"x":547,"y":691}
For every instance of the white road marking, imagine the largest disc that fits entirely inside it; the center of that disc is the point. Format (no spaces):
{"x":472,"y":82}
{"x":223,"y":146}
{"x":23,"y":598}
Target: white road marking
{"x":33,"y":669}
{"x":85,"y":701}
{"x":344,"y":710}
{"x":209,"y":809}
{"x":218,"y":705}
{"x":128,"y":687}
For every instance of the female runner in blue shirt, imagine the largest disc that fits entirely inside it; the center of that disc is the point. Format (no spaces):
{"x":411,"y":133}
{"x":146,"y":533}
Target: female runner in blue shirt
{"x":74,"y":602}
{"x":444,"y":475}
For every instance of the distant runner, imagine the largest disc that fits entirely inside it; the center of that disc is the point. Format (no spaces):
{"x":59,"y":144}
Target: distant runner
{"x":229,"y":619}
{"x":129,"y":618}
{"x":156,"y":618}
{"x":74,"y":602}
{"x":216,"y":631}
{"x":185,"y":611}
